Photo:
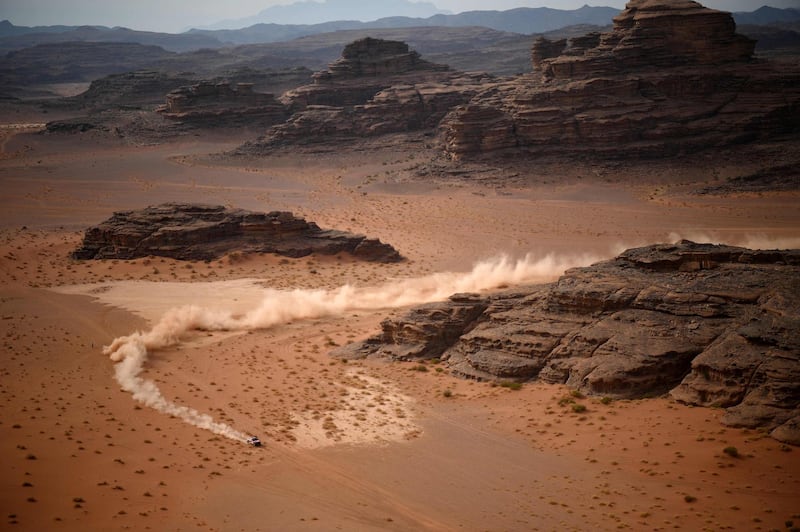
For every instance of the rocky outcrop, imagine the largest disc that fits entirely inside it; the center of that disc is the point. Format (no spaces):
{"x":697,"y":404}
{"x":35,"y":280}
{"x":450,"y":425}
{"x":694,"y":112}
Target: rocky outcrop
{"x":670,"y":77}
{"x":203,"y":232}
{"x":222,"y":104}
{"x":653,"y":34}
{"x":376,"y":87}
{"x":129,"y":89}
{"x":124,"y":104}
{"x":712,"y":325}
{"x":366,"y":67}
{"x":375,"y":57}
{"x":544,"y":48}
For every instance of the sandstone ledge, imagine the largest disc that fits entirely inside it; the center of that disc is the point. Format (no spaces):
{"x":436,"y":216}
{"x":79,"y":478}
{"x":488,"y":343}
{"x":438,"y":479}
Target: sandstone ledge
{"x":711,"y":325}
{"x":204,"y":232}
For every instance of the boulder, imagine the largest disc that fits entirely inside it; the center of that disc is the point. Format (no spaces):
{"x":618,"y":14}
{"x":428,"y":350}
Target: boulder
{"x":430,"y":331}
{"x":710,"y":325}
{"x":203,"y":232}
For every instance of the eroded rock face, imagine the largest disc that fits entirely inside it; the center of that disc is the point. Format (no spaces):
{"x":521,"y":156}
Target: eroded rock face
{"x":202,"y":232}
{"x":366,"y":67}
{"x":223,"y":104}
{"x":139,"y":88}
{"x":651,"y":33}
{"x":376,"y":87}
{"x":671,"y":77}
{"x":370,"y":57}
{"x":711,"y":325}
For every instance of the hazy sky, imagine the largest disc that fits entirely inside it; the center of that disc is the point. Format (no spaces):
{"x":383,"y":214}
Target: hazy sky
{"x":177,"y":15}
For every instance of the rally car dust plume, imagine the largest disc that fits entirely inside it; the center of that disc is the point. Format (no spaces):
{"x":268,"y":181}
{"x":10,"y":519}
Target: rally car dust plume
{"x":279,"y":307}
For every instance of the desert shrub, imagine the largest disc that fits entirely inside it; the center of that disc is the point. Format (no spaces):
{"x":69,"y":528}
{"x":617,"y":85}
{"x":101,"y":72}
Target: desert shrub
{"x":731,"y":451}
{"x":578,"y":408}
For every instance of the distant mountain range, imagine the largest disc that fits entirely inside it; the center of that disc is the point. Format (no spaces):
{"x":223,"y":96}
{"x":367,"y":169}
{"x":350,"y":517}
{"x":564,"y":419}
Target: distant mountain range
{"x":309,"y":12}
{"x":521,"y":21}
{"x":766,"y":15}
{"x":18,"y":37}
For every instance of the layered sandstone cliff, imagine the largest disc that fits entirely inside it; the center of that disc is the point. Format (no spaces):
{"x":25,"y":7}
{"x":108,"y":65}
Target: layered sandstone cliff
{"x":650,"y":34}
{"x":670,"y":77}
{"x":711,"y":325}
{"x":223,"y":104}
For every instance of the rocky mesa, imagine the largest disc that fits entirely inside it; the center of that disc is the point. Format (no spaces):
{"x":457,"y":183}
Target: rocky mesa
{"x":711,"y":325}
{"x":204,"y":232}
{"x":377,"y":86}
{"x":670,"y":77}
{"x":223,"y":104}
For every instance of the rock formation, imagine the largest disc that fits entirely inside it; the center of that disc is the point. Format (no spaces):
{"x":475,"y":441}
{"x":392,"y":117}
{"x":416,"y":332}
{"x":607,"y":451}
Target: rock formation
{"x":669,"y":77}
{"x":375,"y":57}
{"x":222,"y":104}
{"x":652,"y":34}
{"x":203,"y":232}
{"x":366,"y":67}
{"x":712,"y":325}
{"x":124,"y":104}
{"x":376,"y":87}
{"x":129,"y":89}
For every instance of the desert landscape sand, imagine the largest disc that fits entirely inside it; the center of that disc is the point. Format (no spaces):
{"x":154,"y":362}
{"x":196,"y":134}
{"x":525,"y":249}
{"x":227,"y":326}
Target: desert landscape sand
{"x":358,"y":445}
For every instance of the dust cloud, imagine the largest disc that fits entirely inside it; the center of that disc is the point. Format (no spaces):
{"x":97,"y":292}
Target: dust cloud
{"x":279,"y":307}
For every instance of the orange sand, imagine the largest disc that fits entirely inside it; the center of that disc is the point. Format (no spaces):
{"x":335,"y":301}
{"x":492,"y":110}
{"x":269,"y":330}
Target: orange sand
{"x":357,"y":446}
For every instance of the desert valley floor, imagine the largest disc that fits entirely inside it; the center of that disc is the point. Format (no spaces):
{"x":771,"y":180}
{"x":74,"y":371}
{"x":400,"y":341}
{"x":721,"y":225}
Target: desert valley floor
{"x":358,"y":445}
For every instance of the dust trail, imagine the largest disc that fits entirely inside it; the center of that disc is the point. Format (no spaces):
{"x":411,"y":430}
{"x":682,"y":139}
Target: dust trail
{"x":130,"y":355}
{"x":279,"y":307}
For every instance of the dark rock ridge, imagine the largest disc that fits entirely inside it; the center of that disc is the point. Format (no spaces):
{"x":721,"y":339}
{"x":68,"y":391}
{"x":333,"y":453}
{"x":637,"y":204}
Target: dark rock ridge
{"x":377,"y":86}
{"x":129,"y":89}
{"x":223,"y":104}
{"x":203,"y":232}
{"x":146,"y":88}
{"x":70,"y":62}
{"x":711,"y":325}
{"x":125,"y":103}
{"x":670,"y":77}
